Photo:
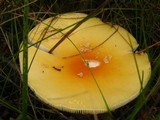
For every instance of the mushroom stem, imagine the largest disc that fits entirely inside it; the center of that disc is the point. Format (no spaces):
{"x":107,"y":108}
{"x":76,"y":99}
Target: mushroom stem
{"x":95,"y":116}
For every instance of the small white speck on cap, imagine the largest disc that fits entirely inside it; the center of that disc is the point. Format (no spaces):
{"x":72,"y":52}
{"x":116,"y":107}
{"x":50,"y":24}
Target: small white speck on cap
{"x":107,"y":58}
{"x":80,"y":74}
{"x":93,"y":63}
{"x":85,"y":47}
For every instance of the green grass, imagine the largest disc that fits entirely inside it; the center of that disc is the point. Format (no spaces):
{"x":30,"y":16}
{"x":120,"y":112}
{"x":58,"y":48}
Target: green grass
{"x":139,"y":17}
{"x":23,"y":115}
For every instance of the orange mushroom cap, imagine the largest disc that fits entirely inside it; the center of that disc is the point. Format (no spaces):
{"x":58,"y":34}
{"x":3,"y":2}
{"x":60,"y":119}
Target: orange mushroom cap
{"x":65,"y":78}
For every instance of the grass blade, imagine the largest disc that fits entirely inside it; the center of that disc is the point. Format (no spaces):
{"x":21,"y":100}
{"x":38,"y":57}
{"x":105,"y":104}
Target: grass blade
{"x":25,"y":63}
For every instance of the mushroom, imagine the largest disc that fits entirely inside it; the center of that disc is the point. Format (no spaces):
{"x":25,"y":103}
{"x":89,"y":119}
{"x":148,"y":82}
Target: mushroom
{"x":95,"y":52}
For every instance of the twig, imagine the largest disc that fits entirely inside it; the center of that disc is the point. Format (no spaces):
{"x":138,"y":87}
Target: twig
{"x":148,"y":47}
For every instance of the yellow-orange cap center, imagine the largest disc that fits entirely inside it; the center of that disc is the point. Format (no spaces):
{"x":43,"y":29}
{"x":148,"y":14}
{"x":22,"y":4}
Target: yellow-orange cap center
{"x":94,"y":61}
